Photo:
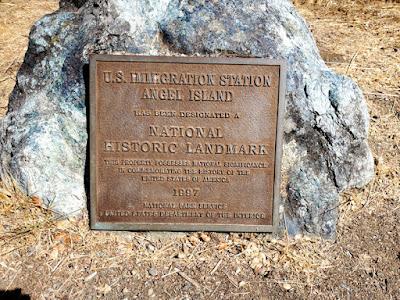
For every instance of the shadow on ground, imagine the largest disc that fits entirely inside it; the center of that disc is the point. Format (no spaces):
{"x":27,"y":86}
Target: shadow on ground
{"x":13,"y":295}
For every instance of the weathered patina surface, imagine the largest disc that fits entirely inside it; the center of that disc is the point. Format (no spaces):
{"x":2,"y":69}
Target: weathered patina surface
{"x":185,"y":143}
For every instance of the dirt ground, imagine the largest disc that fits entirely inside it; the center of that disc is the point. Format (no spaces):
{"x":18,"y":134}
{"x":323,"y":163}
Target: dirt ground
{"x":49,"y":258}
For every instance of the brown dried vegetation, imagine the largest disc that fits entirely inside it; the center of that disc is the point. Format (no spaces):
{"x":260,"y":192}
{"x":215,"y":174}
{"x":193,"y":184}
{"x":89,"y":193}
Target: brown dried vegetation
{"x":50,"y":258}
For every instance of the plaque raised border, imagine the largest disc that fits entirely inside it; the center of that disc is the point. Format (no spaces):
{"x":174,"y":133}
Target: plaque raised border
{"x":97,"y":225}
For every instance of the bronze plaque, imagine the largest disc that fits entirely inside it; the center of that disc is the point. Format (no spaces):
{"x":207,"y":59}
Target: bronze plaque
{"x":185,"y":143}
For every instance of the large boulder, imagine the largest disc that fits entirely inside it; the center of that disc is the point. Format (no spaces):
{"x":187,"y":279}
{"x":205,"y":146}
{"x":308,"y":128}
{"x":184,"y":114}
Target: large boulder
{"x":44,"y":134}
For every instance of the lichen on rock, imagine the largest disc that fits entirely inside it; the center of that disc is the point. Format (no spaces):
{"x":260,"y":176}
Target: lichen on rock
{"x":44,"y":136}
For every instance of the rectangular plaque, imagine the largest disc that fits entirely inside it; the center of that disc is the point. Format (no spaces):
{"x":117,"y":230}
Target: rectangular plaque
{"x":185,"y":143}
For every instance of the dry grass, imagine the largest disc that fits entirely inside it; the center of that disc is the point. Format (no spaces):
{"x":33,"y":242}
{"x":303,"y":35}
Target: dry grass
{"x":16,"y":18}
{"x":77,"y":262}
{"x":49,"y":258}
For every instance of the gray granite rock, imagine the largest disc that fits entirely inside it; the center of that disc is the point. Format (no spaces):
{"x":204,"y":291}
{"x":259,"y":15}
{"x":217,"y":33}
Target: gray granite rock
{"x":44,"y":135}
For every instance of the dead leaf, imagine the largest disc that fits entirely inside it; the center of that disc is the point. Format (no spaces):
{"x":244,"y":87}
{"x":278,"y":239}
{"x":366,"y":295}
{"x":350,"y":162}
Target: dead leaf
{"x":194,"y":240}
{"x":222,"y":246}
{"x":204,"y":237}
{"x":4,"y":194}
{"x":36,"y":201}
{"x":54,"y":254}
{"x":105,"y":289}
{"x":62,"y":237}
{"x":287,"y":286}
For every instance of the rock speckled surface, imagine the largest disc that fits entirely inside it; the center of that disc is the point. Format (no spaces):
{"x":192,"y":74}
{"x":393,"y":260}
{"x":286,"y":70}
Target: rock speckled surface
{"x":44,"y":134}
